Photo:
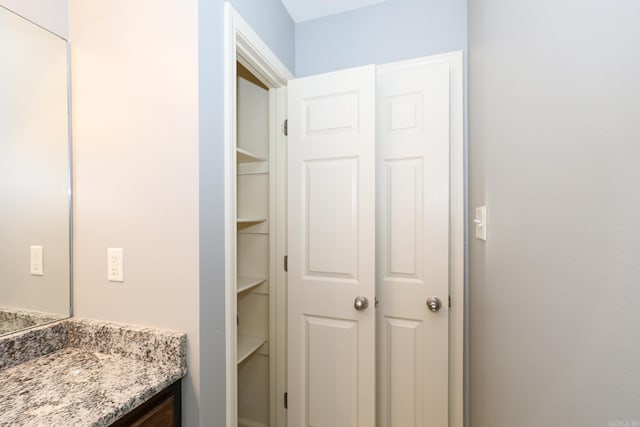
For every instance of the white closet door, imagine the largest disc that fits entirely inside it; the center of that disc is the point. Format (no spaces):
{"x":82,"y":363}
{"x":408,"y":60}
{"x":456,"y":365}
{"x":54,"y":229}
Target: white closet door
{"x":331,"y":174}
{"x":413,"y":123}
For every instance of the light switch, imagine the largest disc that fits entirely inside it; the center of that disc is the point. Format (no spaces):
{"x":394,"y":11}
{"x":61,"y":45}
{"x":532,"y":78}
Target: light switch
{"x":37,"y":261}
{"x":115,"y":265}
{"x":481,"y":223}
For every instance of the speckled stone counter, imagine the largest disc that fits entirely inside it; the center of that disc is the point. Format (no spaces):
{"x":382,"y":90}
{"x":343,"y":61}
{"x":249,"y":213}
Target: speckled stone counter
{"x":14,"y":319}
{"x":101,"y":373}
{"x":22,"y":346}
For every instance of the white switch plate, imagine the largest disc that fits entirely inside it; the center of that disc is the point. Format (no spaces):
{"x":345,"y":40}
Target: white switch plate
{"x":115,"y":265}
{"x":481,"y":223}
{"x":37,"y":261}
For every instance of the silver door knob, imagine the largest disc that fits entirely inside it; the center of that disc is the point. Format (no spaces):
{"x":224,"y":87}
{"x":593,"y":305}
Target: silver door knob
{"x":360,"y":303}
{"x":434,"y":304}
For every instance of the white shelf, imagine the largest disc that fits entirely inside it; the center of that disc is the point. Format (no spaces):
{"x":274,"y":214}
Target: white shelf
{"x":245,"y":156}
{"x":247,"y":346}
{"x":250,"y":220}
{"x":246,"y":283}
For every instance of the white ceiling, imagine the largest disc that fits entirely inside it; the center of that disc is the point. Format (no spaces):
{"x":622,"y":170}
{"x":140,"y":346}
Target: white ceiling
{"x":304,"y":10}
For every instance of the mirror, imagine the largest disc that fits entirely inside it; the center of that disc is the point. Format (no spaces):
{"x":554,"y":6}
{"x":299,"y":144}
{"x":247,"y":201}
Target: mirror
{"x":35,"y":191}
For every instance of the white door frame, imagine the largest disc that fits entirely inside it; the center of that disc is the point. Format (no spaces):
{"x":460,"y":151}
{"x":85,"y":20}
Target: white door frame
{"x":457,"y":241}
{"x":244,"y":45}
{"x":242,"y":41}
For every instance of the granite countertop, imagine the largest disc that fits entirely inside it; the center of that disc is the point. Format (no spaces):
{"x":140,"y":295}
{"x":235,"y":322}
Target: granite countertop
{"x":14,"y":319}
{"x":104,"y":371}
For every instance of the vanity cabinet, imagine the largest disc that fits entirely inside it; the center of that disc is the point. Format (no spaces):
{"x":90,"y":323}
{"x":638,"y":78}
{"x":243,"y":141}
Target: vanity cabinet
{"x":162,"y":410}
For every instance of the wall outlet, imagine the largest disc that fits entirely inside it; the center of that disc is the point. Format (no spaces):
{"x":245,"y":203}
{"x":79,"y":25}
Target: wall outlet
{"x":115,"y":265}
{"x":37,"y":261}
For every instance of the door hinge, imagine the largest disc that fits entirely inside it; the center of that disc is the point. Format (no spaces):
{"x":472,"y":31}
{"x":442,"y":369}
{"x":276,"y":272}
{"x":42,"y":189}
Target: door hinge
{"x":285,"y":127}
{"x":286,"y":263}
{"x":449,"y":301}
{"x":286,"y":400}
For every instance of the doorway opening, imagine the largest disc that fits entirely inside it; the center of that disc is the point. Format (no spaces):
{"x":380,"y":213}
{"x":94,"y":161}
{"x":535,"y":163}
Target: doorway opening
{"x":257,"y":226}
{"x":255,"y":283}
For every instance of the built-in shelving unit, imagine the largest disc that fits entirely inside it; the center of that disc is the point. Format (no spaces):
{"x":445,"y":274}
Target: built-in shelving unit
{"x":247,"y":346}
{"x":248,"y":283}
{"x":253,"y":240}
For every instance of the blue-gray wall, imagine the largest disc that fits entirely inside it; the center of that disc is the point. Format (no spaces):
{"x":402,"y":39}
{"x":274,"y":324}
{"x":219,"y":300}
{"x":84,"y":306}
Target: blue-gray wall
{"x":554,"y":152}
{"x":387,"y":32}
{"x":270,"y":20}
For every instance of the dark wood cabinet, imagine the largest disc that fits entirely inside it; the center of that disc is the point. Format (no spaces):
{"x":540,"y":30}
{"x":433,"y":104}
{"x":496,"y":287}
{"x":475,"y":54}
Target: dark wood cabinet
{"x":162,"y":410}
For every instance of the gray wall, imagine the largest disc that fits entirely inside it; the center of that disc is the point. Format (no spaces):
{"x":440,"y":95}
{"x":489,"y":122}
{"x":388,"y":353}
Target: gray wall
{"x":554,"y":149}
{"x":386,"y":32}
{"x":135,"y":154}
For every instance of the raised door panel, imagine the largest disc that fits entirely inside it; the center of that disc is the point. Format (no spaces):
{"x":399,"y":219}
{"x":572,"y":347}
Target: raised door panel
{"x":402,"y":221}
{"x":403,"y":364}
{"x":331,"y":357}
{"x":331,"y":218}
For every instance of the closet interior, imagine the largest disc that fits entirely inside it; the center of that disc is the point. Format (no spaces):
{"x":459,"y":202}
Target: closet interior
{"x":255,"y":275}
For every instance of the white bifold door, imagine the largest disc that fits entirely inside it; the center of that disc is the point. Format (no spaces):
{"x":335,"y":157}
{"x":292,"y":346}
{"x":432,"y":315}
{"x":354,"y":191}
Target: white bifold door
{"x":368,"y":213}
{"x":331,"y":246}
{"x":412,"y":266}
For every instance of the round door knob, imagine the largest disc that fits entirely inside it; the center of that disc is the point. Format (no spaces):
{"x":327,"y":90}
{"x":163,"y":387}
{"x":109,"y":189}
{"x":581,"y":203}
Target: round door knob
{"x":434,"y":304}
{"x":360,"y":303}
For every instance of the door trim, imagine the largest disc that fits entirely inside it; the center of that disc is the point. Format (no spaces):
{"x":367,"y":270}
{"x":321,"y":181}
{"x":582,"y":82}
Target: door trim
{"x":458,"y":232}
{"x":242,"y":44}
